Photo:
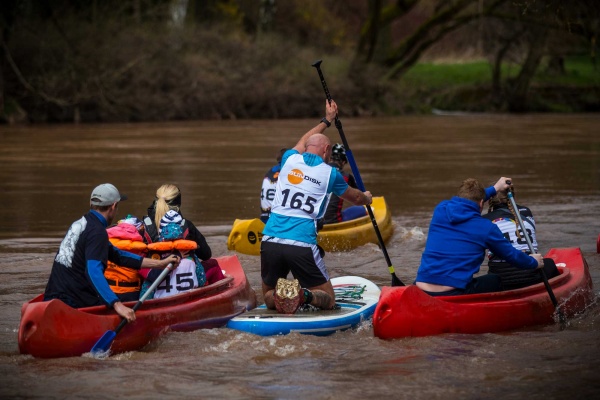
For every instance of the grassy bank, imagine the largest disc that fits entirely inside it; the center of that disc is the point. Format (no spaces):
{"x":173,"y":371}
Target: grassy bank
{"x":117,"y":61}
{"x":467,"y":86}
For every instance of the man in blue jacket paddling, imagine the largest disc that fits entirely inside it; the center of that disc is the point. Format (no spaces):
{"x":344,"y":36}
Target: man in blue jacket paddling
{"x":456,"y":242}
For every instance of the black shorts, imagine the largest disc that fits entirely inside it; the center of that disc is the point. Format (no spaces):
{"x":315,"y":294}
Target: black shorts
{"x":305,"y":264}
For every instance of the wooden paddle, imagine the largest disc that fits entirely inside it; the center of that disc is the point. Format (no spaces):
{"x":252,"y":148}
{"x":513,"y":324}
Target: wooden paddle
{"x":338,"y":124}
{"x":511,"y":197}
{"x":104,"y":343}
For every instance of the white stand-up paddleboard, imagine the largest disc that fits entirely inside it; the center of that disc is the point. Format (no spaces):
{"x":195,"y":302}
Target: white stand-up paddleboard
{"x":356,"y":297}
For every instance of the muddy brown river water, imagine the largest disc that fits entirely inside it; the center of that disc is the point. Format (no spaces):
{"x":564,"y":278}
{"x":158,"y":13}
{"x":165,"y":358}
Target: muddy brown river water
{"x":48,"y":172}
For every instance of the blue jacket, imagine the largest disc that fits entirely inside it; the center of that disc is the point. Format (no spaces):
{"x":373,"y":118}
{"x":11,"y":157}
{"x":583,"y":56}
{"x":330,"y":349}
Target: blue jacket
{"x":456,"y":242}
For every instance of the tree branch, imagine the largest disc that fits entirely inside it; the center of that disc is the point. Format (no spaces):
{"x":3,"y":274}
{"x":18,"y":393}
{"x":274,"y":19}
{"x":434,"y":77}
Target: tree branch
{"x":425,"y":36}
{"x":27,"y":85}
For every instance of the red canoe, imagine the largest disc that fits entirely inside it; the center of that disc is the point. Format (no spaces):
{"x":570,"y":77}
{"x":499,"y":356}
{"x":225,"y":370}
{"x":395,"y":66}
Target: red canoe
{"x":53,"y":329}
{"x":408,"y":311}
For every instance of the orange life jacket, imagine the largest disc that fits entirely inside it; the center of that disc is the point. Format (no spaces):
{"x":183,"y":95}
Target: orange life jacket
{"x":123,"y":279}
{"x":179,"y":244}
{"x":133,"y":246}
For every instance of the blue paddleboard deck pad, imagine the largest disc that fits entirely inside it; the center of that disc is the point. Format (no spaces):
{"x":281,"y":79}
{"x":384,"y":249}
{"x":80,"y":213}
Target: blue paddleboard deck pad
{"x":356,"y":299}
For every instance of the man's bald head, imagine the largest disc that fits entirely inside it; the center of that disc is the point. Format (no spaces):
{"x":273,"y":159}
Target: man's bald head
{"x":320,"y":145}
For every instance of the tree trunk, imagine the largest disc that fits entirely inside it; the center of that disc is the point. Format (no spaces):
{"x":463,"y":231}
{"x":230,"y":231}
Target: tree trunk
{"x":2,"y":105}
{"x":445,"y":20}
{"x":369,"y":33}
{"x":7,"y":10}
{"x":519,"y":87}
{"x":137,"y":11}
{"x":497,"y":96}
{"x":375,"y":35}
{"x":422,"y":33}
{"x":200,"y":11}
{"x":556,"y":65}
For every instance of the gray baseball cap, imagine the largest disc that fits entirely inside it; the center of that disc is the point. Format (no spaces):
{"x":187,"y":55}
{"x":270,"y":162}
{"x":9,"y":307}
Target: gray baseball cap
{"x":105,"y":195}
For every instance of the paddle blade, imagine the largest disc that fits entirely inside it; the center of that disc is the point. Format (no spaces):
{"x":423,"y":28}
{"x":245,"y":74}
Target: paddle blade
{"x":396,"y":281}
{"x":104,"y":343}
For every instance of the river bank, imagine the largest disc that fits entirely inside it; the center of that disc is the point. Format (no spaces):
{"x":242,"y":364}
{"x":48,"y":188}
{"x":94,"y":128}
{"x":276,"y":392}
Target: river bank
{"x":271,"y":94}
{"x":167,"y":61}
{"x":467,"y":86}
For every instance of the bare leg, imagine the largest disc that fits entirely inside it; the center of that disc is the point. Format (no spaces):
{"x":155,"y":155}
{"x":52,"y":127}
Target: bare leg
{"x":268,"y":292}
{"x":323,"y":296}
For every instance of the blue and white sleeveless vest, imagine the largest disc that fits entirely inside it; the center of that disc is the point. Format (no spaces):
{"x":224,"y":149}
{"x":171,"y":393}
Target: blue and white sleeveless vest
{"x":300,"y":199}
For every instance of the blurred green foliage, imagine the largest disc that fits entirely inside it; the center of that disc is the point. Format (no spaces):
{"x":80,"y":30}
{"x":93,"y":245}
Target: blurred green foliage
{"x":579,"y":71}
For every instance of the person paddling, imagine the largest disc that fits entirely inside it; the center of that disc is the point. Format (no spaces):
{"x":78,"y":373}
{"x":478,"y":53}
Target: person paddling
{"x":267,"y":191}
{"x":502,"y":214}
{"x":335,"y":211}
{"x":168,"y":200}
{"x":290,"y":235}
{"x":456,"y":243}
{"x":77,"y":276}
{"x":189,"y":274}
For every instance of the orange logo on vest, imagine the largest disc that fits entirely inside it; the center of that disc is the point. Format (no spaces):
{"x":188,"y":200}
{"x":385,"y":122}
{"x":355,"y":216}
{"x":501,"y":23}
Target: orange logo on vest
{"x":295,"y":176}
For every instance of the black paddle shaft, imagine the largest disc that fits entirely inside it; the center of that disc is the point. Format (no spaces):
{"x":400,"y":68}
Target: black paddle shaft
{"x":124,"y":321}
{"x":338,"y":124}
{"x":511,"y":197}
{"x":104,"y":343}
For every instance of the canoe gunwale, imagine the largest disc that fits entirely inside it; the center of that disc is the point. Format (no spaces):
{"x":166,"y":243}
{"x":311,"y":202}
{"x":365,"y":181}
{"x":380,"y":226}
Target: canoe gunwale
{"x":506,"y":295}
{"x":188,"y":296}
{"x":410,"y":312}
{"x":53,"y":329}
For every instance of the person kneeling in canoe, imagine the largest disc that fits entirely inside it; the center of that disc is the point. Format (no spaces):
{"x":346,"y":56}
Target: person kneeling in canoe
{"x":77,"y":276}
{"x":502,"y":214}
{"x":290,"y":235}
{"x":125,"y":282}
{"x":190,"y":273}
{"x":168,"y":198}
{"x":267,"y":190}
{"x":456,"y":243}
{"x":335,"y":211}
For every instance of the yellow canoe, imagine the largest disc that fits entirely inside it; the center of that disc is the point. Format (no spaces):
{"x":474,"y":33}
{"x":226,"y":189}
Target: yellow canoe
{"x":246,"y":234}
